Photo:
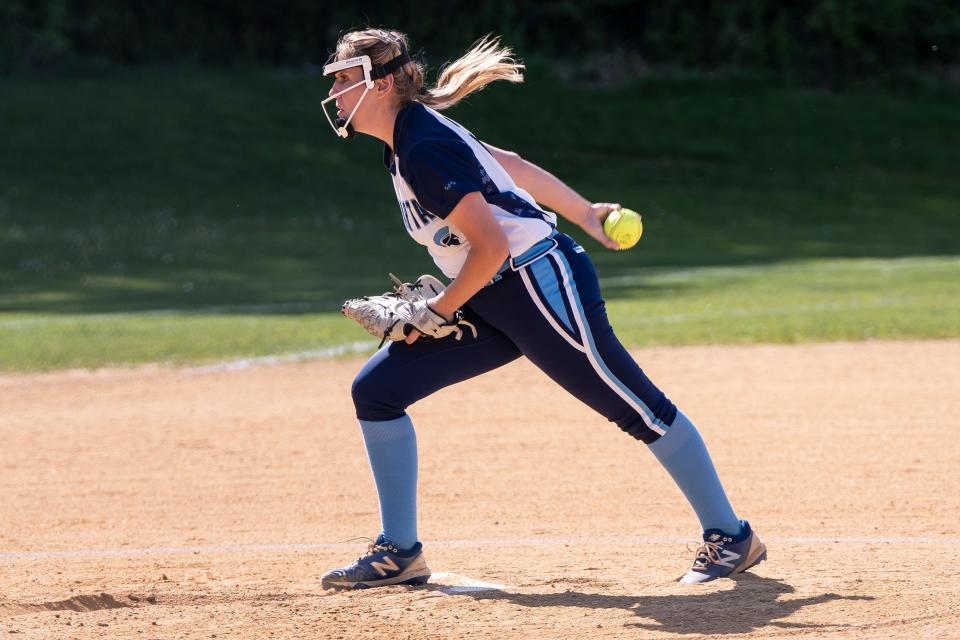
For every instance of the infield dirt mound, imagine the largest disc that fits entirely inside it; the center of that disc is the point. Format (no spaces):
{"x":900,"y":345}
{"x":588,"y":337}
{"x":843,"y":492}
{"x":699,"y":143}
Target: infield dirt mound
{"x":194,"y":503}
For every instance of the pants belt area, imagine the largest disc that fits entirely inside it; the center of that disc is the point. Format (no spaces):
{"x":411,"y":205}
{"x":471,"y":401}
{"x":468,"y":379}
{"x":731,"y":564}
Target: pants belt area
{"x":538,"y":250}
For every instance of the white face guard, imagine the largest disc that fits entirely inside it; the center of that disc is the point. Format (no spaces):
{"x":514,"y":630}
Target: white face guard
{"x":341,"y":126}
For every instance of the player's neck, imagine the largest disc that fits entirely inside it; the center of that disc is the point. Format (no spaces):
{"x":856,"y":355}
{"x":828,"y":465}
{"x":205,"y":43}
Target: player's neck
{"x":382,"y":127}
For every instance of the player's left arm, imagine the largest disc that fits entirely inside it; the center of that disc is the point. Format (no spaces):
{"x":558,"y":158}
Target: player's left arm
{"x":549,"y":190}
{"x":488,"y":249}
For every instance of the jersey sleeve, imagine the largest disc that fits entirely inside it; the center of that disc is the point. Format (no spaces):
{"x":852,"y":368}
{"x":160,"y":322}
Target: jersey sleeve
{"x":442,"y":172}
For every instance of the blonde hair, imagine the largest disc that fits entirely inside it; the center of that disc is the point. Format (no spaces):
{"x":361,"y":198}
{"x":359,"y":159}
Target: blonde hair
{"x":485,"y":62}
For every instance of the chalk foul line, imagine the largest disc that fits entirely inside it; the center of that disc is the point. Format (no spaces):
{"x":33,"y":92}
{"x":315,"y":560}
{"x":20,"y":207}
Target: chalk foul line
{"x":216,"y":549}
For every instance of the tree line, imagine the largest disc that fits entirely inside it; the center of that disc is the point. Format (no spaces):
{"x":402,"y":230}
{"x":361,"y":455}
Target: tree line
{"x":817,"y":41}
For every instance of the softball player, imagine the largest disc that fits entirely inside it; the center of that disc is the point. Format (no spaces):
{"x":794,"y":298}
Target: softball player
{"x":528,"y":289}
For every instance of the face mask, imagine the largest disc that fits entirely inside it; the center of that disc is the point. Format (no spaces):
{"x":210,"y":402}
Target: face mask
{"x":341,"y":126}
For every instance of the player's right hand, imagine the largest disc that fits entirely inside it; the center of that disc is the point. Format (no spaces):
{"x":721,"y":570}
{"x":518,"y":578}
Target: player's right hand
{"x":592,"y":222}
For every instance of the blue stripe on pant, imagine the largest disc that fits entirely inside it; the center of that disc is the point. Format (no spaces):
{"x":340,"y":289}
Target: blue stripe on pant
{"x":551,"y":312}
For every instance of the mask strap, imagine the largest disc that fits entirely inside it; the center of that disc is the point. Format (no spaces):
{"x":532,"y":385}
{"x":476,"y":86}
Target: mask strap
{"x":385,"y":69}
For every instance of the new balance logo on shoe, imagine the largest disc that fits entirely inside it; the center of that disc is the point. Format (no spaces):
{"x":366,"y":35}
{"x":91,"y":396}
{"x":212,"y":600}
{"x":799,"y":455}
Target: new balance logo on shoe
{"x":389,"y":565}
{"x":728,"y":558}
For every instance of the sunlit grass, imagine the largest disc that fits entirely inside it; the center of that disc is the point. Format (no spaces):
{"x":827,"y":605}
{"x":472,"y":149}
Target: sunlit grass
{"x":219,"y":199}
{"x":820,"y":300}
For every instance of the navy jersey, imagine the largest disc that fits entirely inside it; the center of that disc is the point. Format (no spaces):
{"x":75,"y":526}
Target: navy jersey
{"x":434,"y":164}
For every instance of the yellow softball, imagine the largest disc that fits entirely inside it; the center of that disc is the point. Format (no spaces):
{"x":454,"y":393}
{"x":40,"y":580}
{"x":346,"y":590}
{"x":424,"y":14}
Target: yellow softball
{"x":624,"y":226}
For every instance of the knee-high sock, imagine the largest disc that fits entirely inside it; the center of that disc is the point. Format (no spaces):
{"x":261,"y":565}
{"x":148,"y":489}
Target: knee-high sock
{"x":392,"y":449}
{"x":683,"y":454}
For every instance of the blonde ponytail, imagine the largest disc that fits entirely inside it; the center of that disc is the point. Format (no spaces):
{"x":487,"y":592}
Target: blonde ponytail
{"x":485,"y":62}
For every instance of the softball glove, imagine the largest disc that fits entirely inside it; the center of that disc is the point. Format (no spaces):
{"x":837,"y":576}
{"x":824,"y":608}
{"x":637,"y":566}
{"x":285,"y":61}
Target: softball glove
{"x":393,"y":315}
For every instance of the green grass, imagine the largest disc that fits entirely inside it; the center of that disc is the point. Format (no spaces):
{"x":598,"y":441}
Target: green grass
{"x":791,"y":302}
{"x":221,"y":198}
{"x":851,"y":299}
{"x":46,"y":342}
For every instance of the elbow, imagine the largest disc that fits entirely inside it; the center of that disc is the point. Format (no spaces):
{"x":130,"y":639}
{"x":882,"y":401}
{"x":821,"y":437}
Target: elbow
{"x":504,"y":157}
{"x":496,"y":247}
{"x":504,"y":253}
{"x":500,"y":248}
{"x":512,"y":157}
{"x":513,"y":163}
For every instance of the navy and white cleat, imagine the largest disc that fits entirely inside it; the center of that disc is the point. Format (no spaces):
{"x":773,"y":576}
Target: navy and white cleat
{"x":383,"y":564}
{"x":722,"y":555}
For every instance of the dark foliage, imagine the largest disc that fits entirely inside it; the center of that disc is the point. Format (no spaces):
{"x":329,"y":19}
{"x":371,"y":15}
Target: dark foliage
{"x":818,"y":41}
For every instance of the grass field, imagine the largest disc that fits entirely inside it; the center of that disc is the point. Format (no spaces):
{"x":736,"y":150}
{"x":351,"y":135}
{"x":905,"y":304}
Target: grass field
{"x":188,"y":216}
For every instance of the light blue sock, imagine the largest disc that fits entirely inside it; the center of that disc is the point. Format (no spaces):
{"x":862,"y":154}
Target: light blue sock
{"x":392,"y":449}
{"x":683,"y":454}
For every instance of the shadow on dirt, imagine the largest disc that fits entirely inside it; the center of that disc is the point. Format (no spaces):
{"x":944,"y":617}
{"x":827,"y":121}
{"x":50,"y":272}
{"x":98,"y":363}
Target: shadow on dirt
{"x":752,"y":604}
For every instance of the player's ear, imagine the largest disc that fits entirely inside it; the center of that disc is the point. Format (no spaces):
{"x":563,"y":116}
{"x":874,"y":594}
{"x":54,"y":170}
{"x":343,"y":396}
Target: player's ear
{"x":384,"y":85}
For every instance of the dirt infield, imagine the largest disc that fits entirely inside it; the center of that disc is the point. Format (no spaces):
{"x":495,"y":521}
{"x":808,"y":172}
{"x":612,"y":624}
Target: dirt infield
{"x":204,"y":503}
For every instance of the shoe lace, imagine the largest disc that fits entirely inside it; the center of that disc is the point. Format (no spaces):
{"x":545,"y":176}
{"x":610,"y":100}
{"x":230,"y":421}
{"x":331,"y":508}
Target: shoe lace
{"x":706,"y":553}
{"x":372,"y":546}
